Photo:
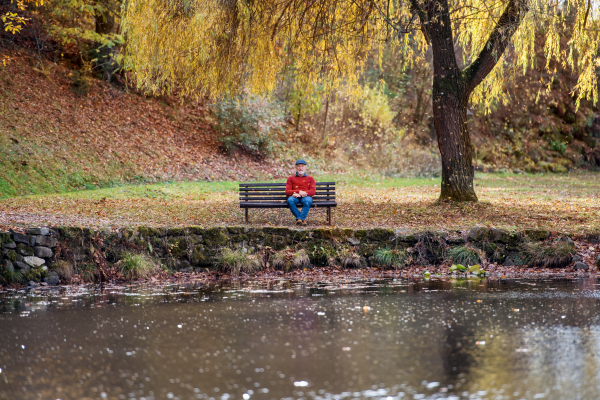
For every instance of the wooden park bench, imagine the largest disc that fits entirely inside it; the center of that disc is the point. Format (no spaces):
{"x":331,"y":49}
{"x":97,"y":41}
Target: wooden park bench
{"x":272,"y":195}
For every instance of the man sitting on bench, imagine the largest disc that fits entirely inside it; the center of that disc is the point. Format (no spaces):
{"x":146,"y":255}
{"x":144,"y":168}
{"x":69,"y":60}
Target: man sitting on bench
{"x":300,"y":187}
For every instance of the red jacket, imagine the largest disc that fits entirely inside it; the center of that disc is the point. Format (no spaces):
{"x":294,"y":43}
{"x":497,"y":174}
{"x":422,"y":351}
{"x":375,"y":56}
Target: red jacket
{"x":305,"y":183}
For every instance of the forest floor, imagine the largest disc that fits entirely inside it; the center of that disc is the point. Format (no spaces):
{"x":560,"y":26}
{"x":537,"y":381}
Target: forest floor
{"x":563,"y":203}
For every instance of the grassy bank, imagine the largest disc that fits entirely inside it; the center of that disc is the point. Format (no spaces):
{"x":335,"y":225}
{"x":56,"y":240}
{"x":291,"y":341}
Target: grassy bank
{"x":566,"y":203}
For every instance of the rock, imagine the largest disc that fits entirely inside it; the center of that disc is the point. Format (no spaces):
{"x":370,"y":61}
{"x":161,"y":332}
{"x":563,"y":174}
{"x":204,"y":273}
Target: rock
{"x":353,"y":241}
{"x":44,"y":284}
{"x":20,"y":238}
{"x":537,"y":234}
{"x":38,"y":231}
{"x":22,"y":266}
{"x":53,"y":279}
{"x":11,"y":245}
{"x":47,"y":241}
{"x":598,"y":260}
{"x":42,"y":252}
{"x":32,"y":284}
{"x":19,"y":257}
{"x":34,"y":261}
{"x":9,"y":266}
{"x":518,"y":171}
{"x":24,"y":249}
{"x":580,"y":265}
{"x":576,"y":258}
{"x":568,"y":240}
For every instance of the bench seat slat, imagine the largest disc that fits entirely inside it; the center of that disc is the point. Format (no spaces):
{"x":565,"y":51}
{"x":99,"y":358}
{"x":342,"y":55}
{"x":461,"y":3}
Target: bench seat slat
{"x":250,"y":194}
{"x":282,"y":189}
{"x":281,"y":204}
{"x":321,"y":198}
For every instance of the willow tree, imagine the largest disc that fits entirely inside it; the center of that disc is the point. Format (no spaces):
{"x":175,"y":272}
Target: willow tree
{"x":220,"y":47}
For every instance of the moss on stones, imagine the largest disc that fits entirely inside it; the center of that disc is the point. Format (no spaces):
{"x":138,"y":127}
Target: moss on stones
{"x":5,"y":237}
{"x":200,"y":256}
{"x":11,"y":255}
{"x":216,"y":237}
{"x":177,"y":247}
{"x":381,"y":235}
{"x":537,"y":234}
{"x":24,"y":250}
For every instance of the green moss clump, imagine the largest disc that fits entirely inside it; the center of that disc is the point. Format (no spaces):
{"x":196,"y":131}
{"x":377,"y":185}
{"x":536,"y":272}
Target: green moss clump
{"x":5,"y":237}
{"x":215,"y":237}
{"x":178,"y":247}
{"x":24,"y":249}
{"x":176,"y":232}
{"x":200,"y":256}
{"x":381,"y":235}
{"x":11,"y":255}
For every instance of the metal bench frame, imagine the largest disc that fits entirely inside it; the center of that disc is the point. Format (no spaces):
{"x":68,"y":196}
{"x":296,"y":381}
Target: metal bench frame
{"x":272,"y":195}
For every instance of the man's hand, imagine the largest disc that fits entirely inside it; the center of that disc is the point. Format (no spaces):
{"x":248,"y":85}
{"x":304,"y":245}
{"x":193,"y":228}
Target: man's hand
{"x":303,"y":193}
{"x":296,"y":195}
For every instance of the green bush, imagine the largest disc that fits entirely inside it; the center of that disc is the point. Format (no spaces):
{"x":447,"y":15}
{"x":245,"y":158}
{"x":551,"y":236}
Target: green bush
{"x":237,"y":261}
{"x":389,"y":258}
{"x":136,"y":266}
{"x":561,"y":147}
{"x":249,"y":124}
{"x":464,"y":255}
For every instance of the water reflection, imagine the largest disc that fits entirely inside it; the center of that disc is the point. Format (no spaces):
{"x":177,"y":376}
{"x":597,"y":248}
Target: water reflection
{"x":374,"y":339}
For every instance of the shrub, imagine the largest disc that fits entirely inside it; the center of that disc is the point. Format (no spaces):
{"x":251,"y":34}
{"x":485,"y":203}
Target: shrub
{"x":288,"y":259}
{"x":301,"y":259}
{"x":237,"y":261}
{"x":249,"y":124}
{"x":136,"y":266}
{"x":389,"y":258}
{"x":464,"y":255}
{"x":87,"y":272}
{"x":9,"y":275}
{"x":350,"y":259}
{"x":64,"y":270}
{"x":548,"y":255}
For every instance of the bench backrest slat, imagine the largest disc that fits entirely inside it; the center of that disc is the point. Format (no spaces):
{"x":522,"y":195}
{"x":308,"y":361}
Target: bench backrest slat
{"x":260,"y":192}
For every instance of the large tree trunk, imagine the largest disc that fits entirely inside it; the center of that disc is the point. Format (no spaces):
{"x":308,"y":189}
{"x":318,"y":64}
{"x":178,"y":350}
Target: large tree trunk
{"x":449,"y":116}
{"x":453,"y":86}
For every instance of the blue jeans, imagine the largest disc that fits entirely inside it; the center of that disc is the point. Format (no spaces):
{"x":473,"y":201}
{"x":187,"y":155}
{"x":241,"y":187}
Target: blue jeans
{"x":293,"y":203}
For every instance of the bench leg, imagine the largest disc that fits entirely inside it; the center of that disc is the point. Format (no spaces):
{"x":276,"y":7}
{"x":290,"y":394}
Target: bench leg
{"x":329,"y":215}
{"x":246,"y":214}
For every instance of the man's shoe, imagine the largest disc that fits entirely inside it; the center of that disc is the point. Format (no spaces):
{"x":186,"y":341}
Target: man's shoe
{"x":298,"y":222}
{"x":304,"y":223}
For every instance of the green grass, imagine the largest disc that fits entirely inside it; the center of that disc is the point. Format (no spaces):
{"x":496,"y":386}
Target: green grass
{"x":566,"y":203}
{"x":464,"y":255}
{"x":237,"y":261}
{"x":389,"y":258}
{"x":136,"y":266}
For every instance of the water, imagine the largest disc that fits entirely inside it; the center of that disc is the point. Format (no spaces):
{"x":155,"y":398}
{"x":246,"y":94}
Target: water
{"x":380,"y":340}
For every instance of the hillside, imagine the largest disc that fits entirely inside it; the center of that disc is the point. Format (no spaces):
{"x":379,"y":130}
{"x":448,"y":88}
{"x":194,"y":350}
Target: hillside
{"x":53,"y":138}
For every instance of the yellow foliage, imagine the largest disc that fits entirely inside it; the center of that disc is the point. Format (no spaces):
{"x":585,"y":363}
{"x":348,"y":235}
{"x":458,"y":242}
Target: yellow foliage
{"x":220,"y":47}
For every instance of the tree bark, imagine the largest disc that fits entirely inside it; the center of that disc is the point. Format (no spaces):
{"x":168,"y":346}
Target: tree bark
{"x":453,"y":86}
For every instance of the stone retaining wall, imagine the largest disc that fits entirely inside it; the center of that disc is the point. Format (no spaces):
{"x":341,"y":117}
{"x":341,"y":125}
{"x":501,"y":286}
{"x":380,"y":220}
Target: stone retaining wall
{"x":35,"y":252}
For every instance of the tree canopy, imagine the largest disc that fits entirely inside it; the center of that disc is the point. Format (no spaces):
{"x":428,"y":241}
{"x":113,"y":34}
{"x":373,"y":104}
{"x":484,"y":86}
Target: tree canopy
{"x":220,"y":47}
{"x":224,"y":46}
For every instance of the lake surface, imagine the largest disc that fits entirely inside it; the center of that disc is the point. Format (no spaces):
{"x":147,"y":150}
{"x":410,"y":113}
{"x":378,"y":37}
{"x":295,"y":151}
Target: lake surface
{"x":399,"y":339}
